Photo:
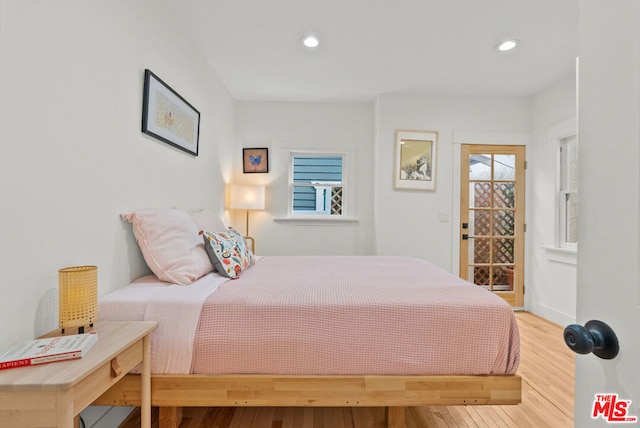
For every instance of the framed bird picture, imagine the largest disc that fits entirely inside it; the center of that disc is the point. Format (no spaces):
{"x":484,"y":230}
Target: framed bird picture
{"x":255,"y":160}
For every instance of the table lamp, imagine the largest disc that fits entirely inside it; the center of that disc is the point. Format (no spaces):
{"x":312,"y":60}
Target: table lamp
{"x":78,"y":297}
{"x":245,"y":197}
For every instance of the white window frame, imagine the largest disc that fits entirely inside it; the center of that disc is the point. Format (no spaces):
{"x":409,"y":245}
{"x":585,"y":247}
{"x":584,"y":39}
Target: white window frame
{"x":563,"y":193}
{"x":554,"y":251}
{"x":319,"y":215}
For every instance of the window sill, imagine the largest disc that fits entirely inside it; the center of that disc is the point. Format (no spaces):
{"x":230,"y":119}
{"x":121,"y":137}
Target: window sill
{"x":562,"y":255}
{"x":316,"y":221}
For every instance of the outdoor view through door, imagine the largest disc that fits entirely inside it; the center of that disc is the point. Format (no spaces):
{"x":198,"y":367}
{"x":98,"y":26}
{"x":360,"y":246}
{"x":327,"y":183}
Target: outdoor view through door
{"x":492,"y":219}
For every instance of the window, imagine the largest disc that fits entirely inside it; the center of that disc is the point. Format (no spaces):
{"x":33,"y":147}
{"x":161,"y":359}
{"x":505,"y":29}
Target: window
{"x":568,"y":193}
{"x":317,"y":184}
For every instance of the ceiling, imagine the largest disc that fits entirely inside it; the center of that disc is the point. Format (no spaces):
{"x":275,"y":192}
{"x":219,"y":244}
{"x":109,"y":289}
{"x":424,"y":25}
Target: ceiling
{"x":371,"y":47}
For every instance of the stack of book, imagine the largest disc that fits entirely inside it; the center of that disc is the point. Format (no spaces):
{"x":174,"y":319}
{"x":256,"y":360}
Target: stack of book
{"x":41,"y":351}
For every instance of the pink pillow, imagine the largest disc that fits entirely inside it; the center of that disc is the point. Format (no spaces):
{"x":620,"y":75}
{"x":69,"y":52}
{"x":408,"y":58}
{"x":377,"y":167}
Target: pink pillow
{"x":170,"y":244}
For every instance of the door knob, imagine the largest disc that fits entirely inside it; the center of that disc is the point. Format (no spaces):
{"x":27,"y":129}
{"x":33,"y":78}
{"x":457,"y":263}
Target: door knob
{"x":595,"y":336}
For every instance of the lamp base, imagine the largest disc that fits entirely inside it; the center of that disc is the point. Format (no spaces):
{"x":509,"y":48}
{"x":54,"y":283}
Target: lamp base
{"x":81,"y":329}
{"x":253,"y":243}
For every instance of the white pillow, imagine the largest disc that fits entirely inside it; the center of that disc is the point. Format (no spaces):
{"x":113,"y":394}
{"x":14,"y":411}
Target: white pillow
{"x":207,"y":220}
{"x":170,"y":244}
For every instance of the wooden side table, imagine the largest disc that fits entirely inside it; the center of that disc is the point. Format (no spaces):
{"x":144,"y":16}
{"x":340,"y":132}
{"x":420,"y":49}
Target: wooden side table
{"x":52,"y":395}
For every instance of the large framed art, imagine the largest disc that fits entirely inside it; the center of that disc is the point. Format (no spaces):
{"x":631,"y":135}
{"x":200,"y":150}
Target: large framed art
{"x":416,"y":158}
{"x":169,"y":117}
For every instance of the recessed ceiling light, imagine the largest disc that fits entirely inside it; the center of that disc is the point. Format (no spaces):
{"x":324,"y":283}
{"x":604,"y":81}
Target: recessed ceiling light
{"x":507,"y":45}
{"x":310,"y":41}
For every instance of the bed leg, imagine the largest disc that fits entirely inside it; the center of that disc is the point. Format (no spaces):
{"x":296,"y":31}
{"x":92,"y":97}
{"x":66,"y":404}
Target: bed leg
{"x":395,"y":417}
{"x":170,"y":417}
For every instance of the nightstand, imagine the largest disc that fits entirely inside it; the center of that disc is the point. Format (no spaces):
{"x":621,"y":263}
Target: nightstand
{"x":54,"y":394}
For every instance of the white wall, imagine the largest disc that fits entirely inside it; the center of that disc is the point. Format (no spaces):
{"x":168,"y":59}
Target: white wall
{"x":551,"y":278}
{"x":285,"y":126}
{"x":73,"y":157}
{"x":407,"y":222}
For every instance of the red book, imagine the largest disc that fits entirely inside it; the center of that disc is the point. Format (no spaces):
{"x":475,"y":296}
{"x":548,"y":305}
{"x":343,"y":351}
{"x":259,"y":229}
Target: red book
{"x":41,"y":351}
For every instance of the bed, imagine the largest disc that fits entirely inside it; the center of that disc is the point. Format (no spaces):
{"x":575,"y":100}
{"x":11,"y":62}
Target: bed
{"x":320,"y":331}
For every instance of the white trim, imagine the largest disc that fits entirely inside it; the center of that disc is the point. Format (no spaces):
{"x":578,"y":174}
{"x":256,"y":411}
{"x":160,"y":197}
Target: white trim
{"x":551,"y":314}
{"x":563,"y":129}
{"x":311,"y":220}
{"x":561,"y":255}
{"x":492,"y":138}
{"x":556,"y":134}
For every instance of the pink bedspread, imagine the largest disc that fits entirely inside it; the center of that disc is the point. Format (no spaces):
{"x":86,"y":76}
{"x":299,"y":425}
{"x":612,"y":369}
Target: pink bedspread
{"x":175,"y":308}
{"x":354,"y":315}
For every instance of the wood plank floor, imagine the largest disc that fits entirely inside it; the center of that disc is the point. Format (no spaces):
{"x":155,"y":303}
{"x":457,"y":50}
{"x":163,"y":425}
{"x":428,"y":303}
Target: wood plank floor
{"x":546,"y":367}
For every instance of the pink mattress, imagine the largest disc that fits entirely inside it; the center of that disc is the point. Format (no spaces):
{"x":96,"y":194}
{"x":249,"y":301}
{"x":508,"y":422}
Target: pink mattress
{"x":336,"y":315}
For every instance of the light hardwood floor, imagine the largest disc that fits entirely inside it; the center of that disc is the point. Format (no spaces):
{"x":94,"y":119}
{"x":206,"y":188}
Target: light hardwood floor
{"x":546,"y":367}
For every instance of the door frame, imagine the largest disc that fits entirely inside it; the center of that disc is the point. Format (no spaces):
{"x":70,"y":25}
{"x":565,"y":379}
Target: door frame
{"x":489,"y":139}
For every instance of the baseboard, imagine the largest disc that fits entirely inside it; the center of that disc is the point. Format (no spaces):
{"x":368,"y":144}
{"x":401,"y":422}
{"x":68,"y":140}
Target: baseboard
{"x":551,"y":314}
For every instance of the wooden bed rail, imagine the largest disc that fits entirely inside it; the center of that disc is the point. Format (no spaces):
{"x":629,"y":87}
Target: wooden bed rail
{"x":171,"y":392}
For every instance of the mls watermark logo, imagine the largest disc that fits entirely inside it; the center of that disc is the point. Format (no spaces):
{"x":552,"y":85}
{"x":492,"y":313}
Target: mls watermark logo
{"x":612,"y":409}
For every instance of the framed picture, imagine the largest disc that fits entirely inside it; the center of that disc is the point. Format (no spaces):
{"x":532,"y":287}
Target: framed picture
{"x":169,"y":117}
{"x":255,"y":160}
{"x":416,"y":158}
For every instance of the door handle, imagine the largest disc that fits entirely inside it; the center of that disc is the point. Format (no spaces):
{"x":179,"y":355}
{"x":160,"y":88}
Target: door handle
{"x":595,"y":336}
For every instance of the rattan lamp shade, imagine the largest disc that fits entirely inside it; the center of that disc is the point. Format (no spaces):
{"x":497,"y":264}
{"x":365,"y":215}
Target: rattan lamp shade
{"x":78,"y":297}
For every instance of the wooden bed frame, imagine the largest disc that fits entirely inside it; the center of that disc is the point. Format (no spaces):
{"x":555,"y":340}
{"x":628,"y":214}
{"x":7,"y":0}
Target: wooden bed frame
{"x":173,"y":392}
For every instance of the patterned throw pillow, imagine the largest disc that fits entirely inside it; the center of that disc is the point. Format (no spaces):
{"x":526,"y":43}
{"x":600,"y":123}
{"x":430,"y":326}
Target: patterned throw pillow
{"x":228,"y":252}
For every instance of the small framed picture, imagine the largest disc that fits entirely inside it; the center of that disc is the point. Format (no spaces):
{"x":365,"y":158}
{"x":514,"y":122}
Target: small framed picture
{"x":416,"y":164}
{"x":255,"y":160}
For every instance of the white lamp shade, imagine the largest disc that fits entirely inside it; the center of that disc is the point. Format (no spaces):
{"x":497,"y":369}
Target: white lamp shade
{"x":245,"y":197}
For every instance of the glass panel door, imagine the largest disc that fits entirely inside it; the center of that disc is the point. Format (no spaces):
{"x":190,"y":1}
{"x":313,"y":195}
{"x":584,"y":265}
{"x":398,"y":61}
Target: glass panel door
{"x":492,"y":217}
